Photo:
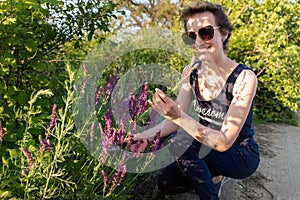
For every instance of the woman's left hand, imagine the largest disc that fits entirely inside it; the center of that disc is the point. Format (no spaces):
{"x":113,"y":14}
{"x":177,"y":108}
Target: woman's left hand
{"x":165,"y":106}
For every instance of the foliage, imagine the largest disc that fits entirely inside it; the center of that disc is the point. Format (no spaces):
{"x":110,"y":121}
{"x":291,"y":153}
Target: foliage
{"x":266,"y":38}
{"x":146,"y":13}
{"x":32,"y":40}
{"x":48,"y":167}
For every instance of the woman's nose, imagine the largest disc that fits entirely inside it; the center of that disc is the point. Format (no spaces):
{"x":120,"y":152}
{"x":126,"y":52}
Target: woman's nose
{"x":198,"y":41}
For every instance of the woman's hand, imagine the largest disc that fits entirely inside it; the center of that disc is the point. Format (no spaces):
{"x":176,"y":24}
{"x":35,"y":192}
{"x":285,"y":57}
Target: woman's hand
{"x":139,"y":146}
{"x":165,"y":106}
{"x":136,"y":146}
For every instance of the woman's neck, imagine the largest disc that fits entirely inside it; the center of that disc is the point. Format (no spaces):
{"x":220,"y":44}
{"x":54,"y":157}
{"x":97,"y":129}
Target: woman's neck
{"x":225,"y":65}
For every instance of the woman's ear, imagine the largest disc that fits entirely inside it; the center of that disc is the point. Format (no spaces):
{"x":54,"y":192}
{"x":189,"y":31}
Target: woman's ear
{"x":225,"y":37}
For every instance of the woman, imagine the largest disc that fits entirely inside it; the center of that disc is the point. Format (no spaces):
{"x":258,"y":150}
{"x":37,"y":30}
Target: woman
{"x":224,"y":91}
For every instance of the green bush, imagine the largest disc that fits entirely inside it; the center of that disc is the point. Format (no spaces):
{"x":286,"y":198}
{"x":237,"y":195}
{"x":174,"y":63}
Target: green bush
{"x":266,"y":38}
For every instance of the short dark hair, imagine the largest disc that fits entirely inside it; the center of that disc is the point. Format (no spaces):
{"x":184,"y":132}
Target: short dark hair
{"x":221,"y":17}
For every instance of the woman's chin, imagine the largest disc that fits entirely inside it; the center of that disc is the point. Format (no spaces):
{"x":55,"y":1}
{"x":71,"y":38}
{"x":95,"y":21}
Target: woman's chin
{"x":203,"y":55}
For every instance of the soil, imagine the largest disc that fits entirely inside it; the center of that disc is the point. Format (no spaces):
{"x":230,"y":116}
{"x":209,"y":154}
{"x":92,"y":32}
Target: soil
{"x":278,"y":176}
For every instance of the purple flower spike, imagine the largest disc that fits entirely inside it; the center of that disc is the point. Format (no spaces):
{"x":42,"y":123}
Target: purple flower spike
{"x":92,"y":134}
{"x":98,"y":95}
{"x":1,"y":133}
{"x":123,"y":172}
{"x":29,"y":158}
{"x":137,"y":104}
{"x":49,"y":143}
{"x":110,"y":85}
{"x":137,"y":146}
{"x":108,"y":124}
{"x":132,"y":106}
{"x":143,"y":103}
{"x":52,"y":121}
{"x":44,"y":146}
{"x":104,"y":177}
{"x":156,"y":141}
{"x":119,"y":175}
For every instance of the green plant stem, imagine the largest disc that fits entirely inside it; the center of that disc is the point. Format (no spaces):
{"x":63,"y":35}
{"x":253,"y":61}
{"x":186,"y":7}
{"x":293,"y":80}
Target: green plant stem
{"x":63,"y":129}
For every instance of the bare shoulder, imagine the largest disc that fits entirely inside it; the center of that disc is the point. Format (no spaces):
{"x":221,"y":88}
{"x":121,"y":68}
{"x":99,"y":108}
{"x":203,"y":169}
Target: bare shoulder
{"x":246,"y":82}
{"x":246,"y":74}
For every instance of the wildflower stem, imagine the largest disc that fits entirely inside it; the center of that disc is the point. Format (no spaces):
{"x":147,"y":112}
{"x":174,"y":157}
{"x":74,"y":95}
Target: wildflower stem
{"x":61,"y":129}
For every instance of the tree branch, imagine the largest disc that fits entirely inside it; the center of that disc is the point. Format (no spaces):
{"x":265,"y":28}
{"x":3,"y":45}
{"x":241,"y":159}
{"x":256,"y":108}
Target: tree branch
{"x":240,"y":13}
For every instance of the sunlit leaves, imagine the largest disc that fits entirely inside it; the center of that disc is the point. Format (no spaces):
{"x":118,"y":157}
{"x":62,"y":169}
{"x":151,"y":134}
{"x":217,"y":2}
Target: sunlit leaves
{"x":32,"y":54}
{"x":267,"y":39}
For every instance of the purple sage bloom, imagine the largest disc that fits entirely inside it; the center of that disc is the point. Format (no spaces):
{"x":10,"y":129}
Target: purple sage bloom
{"x":29,"y":158}
{"x":1,"y":133}
{"x":142,"y":102}
{"x":132,"y":106}
{"x":52,"y":121}
{"x":108,"y":124}
{"x":104,"y":178}
{"x":119,"y":175}
{"x":49,"y":143}
{"x":92,"y":134}
{"x":44,"y":146}
{"x":98,"y":95}
{"x":156,"y":141}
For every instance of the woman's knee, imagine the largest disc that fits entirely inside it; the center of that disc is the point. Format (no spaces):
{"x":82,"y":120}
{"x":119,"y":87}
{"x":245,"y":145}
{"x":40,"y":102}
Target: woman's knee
{"x":171,"y":181}
{"x":163,"y":186}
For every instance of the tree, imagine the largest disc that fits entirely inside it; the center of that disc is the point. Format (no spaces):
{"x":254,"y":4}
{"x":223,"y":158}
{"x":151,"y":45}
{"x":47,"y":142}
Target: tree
{"x":153,"y":13}
{"x":36,"y":38}
{"x":32,"y":47}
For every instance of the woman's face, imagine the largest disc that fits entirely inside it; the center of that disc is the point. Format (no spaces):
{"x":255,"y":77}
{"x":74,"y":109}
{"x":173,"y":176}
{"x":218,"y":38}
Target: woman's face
{"x":211,"y":49}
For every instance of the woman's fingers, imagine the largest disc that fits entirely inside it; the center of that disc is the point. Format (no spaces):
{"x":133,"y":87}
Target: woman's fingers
{"x":162,"y":96}
{"x":139,"y":145}
{"x":159,"y":98}
{"x":164,"y":105}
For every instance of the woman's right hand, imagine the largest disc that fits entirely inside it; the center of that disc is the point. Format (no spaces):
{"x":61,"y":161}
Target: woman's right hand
{"x":136,"y":145}
{"x":139,"y":146}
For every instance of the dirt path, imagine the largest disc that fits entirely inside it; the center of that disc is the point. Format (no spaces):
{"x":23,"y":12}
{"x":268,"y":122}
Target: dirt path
{"x":278,"y":176}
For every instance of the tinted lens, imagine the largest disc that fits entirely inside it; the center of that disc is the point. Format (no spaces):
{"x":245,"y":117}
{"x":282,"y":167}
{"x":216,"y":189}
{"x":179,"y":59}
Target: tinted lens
{"x":189,"y":38}
{"x":206,"y":33}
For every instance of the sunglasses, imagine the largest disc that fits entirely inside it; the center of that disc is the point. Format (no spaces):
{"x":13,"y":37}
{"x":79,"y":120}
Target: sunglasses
{"x":206,"y":33}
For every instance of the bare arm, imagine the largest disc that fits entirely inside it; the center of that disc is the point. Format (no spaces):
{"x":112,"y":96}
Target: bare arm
{"x":243,"y":92}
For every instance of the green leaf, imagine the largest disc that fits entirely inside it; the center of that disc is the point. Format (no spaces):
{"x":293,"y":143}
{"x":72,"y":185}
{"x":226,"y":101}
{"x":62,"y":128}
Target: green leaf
{"x":76,"y":44}
{"x":39,"y":66}
{"x":13,"y":153}
{"x":4,"y":161}
{"x":90,"y":35}
{"x":11,"y":138}
{"x":30,"y":45}
{"x":52,"y":2}
{"x":22,"y":97}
